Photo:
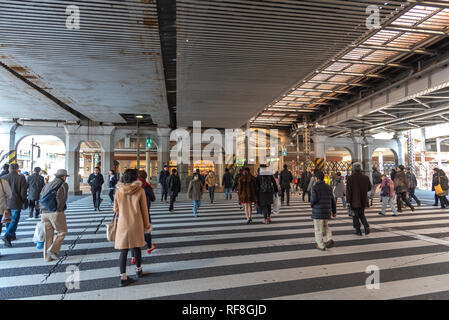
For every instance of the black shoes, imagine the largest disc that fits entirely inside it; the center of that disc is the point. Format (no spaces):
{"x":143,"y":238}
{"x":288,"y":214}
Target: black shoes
{"x":140,"y":274}
{"x":128,"y":281}
{"x":249,"y":221}
{"x":7,"y":242}
{"x":367,"y":231}
{"x":413,"y":209}
{"x":382,"y":214}
{"x":330,"y":244}
{"x":358,"y":232}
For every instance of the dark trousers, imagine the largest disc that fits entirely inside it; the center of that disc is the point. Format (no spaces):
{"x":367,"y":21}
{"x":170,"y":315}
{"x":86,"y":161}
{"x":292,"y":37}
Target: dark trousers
{"x":164,"y":192}
{"x":112,"y":194}
{"x":96,"y":196}
{"x":444,"y":202}
{"x":286,"y":190}
{"x":172,"y":202}
{"x":34,"y":206}
{"x":211,"y":193}
{"x":359,"y":218}
{"x":436,"y":199}
{"x":403,"y":196}
{"x":411,"y":195}
{"x":304,"y":195}
{"x":266,"y":211}
{"x":135,"y":252}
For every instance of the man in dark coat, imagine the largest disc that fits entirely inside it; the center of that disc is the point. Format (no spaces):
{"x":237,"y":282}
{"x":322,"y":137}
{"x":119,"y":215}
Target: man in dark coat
{"x":173,"y":187}
{"x":35,"y":185}
{"x":19,"y":188}
{"x":377,"y":180}
{"x":227,"y":184}
{"x":266,"y":188}
{"x":401,"y":186}
{"x":163,"y":175}
{"x":323,"y":206}
{"x":305,"y":180}
{"x":357,"y":190}
{"x":413,"y":184}
{"x":96,"y":181}
{"x":284,"y":181}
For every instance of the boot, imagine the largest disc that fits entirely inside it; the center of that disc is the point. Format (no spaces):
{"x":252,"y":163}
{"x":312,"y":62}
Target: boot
{"x":37,"y":213}
{"x":31,"y":212}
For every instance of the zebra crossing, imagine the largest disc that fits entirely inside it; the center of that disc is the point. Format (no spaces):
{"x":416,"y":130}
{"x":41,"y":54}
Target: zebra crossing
{"x":219,"y":256}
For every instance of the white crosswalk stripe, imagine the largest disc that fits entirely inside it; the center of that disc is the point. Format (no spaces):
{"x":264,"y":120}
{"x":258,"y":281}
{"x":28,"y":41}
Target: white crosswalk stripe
{"x":219,"y":256}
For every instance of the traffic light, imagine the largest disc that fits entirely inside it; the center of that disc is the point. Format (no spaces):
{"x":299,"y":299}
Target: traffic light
{"x":149,"y":143}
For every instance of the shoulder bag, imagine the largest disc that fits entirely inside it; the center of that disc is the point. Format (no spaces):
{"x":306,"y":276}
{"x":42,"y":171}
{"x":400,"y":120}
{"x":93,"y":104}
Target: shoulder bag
{"x":111,"y":229}
{"x":438,"y":188}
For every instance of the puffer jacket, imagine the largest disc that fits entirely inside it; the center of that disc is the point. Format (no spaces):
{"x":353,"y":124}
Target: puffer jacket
{"x":228,"y":182}
{"x":339,"y":185}
{"x":322,"y":201}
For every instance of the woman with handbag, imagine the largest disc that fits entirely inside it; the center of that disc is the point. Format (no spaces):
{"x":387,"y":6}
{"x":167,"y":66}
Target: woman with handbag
{"x":441,"y":187}
{"x":130,"y":205}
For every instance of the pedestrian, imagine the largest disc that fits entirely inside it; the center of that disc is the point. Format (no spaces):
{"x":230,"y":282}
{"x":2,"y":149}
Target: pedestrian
{"x":16,"y":202}
{"x":377,"y":180}
{"x":304,"y":183}
{"x":387,"y":193}
{"x":112,"y":183}
{"x":227,"y":184}
{"x":401,"y":186}
{"x":173,"y":188}
{"x":235,"y":186}
{"x":195,"y":192}
{"x":163,"y":175}
{"x":323,"y":207}
{"x":5,"y":195}
{"x":357,"y":189}
{"x":45,"y":176}
{"x":312,"y":180}
{"x":392,"y":174}
{"x":266,"y":187}
{"x":339,"y":188}
{"x":35,"y":185}
{"x":327,"y":179}
{"x":54,"y":219}
{"x":211,"y":182}
{"x":285,"y":180}
{"x":247,"y":192}
{"x":440,"y":179}
{"x":96,"y":181}
{"x":5,"y":170}
{"x":130,"y":205}
{"x":413,"y":184}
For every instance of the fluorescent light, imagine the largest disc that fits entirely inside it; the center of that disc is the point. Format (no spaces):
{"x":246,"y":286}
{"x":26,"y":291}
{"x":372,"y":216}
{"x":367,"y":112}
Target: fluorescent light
{"x":139,"y":117}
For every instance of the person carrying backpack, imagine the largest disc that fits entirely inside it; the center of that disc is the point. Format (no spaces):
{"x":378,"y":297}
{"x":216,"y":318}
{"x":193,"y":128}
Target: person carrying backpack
{"x":266,"y":187}
{"x":53,"y":204}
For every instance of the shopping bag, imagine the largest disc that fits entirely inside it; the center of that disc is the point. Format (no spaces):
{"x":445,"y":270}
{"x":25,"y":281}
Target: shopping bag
{"x":276,"y":204}
{"x":111,"y":229}
{"x":39,"y":235}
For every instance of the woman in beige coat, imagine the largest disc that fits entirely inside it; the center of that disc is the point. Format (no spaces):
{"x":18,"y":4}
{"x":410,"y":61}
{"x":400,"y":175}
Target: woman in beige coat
{"x":130,"y":205}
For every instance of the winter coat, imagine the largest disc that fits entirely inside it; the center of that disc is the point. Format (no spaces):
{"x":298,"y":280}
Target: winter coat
{"x":247,"y":189}
{"x":390,"y":190}
{"x":440,"y":178}
{"x":265,"y":198}
{"x":228,"y":182}
{"x":133,"y":220}
{"x":357,"y":190}
{"x":377,"y":177}
{"x":339,"y":187}
{"x":211,"y":180}
{"x":19,"y":188}
{"x":322,"y":201}
{"x":401,"y":182}
{"x":61,"y":195}
{"x":163,"y":175}
{"x":5,"y":194}
{"x":195,"y":190}
{"x":285,"y":178}
{"x":35,"y":185}
{"x":112,"y":182}
{"x":149,"y":194}
{"x":305,"y":180}
{"x":173,"y":185}
{"x":412,"y":180}
{"x":236,"y":181}
{"x":95,"y":182}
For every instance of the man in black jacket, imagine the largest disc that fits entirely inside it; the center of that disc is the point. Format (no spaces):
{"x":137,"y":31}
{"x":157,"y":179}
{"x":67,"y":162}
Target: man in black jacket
{"x":16,"y":202}
{"x":35,"y":185}
{"x":163,"y":175}
{"x":323,"y":206}
{"x":174,"y":187}
{"x":96,"y":181}
{"x":227,"y":184}
{"x":266,"y":188}
{"x":401,"y":186}
{"x":284,"y":181}
{"x":305,"y":180}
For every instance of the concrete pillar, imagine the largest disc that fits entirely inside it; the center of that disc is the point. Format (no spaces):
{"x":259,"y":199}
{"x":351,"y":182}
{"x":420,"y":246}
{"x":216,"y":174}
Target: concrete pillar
{"x":319,"y":145}
{"x":400,"y":139}
{"x":163,"y":148}
{"x":148,"y":163}
{"x":411,"y":152}
{"x":220,"y":169}
{"x":72,"y":162}
{"x":367,"y":155}
{"x":381,"y":162}
{"x":438,"y":142}
{"x":358,"y":148}
{"x":183,"y":175}
{"x":8,"y":142}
